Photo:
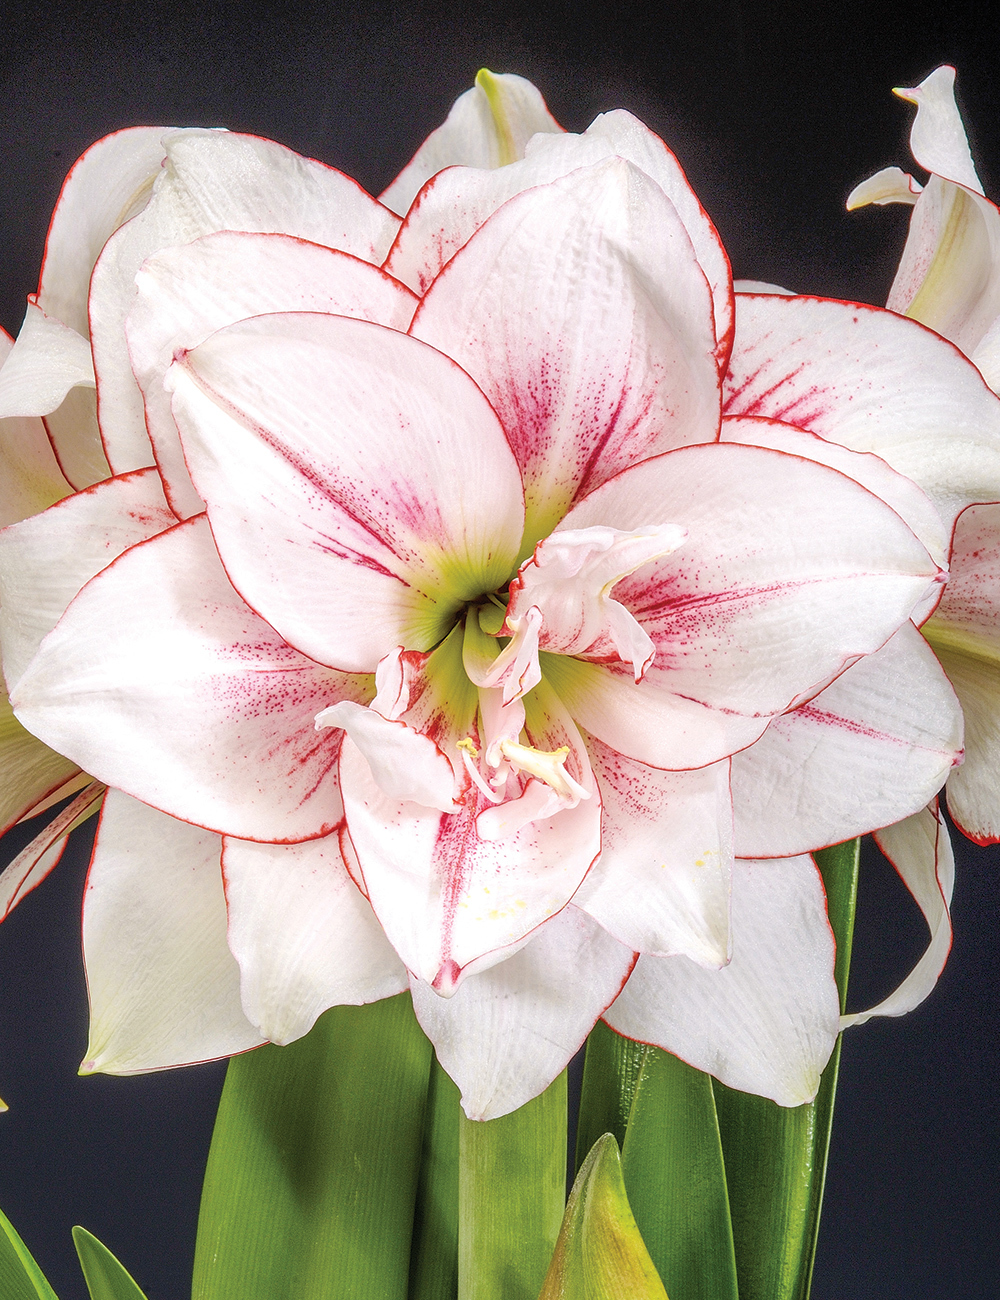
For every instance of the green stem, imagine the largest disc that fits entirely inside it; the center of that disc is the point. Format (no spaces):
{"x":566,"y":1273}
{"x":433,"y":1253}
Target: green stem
{"x":434,"y":1254}
{"x":512,"y":1193}
{"x":312,"y":1175}
{"x":776,"y":1156}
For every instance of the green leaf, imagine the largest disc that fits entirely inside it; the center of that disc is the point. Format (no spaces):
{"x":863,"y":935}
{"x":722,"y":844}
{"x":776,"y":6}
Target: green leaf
{"x":434,"y":1253}
{"x":106,"y":1278}
{"x":512,"y":1192}
{"x":776,"y":1156}
{"x":600,"y":1254}
{"x":312,"y":1175}
{"x":662,"y":1113}
{"x":20,"y":1276}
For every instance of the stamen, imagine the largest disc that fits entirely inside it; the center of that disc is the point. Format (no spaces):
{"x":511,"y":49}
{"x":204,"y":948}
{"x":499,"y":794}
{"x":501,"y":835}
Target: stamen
{"x":547,"y":765}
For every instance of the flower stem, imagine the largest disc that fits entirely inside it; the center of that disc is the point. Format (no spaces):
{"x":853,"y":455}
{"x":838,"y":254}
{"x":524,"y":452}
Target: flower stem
{"x":512,"y":1193}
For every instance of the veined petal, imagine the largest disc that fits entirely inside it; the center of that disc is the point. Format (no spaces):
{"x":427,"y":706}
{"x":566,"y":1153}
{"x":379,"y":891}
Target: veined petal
{"x":874,"y":382}
{"x":768,"y":1021}
{"x":510,"y":1030}
{"x":790,"y":571}
{"x":594,"y":352}
{"x":159,"y":680}
{"x":47,"y":559}
{"x":47,"y":360}
{"x":446,"y":896}
{"x":920,"y":850}
{"x":890,"y":185}
{"x":861,"y":754}
{"x":215,"y":180}
{"x":488,"y":126}
{"x":937,"y":137}
{"x":305,"y":937}
{"x":661,"y":884}
{"x":164,"y":987}
{"x":359,"y":486}
{"x":187,"y":293}
{"x":42,"y":854}
{"x":32,"y":480}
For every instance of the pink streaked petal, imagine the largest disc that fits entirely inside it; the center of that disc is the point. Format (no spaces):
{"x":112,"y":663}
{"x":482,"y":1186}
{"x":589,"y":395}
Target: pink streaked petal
{"x":359,"y":486}
{"x":861,"y":754}
{"x":790,"y":571}
{"x":303,"y":934}
{"x":920,"y":850}
{"x":487,"y":127}
{"x":581,"y":311}
{"x":47,"y":559}
{"x":510,"y":1030}
{"x":187,"y":293}
{"x":164,"y":987}
{"x":875,"y":382}
{"x":215,"y":180}
{"x":661,"y":884}
{"x":161,"y":681}
{"x":445,"y":896}
{"x":768,"y":1021}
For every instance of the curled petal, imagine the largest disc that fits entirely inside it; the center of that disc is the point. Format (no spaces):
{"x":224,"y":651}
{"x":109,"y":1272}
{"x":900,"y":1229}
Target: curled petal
{"x":508,"y":1031}
{"x":890,"y":185}
{"x":937,"y":137}
{"x":305,"y":937}
{"x":47,"y":360}
{"x":768,"y":1021}
{"x":32,"y":479}
{"x":920,"y":850}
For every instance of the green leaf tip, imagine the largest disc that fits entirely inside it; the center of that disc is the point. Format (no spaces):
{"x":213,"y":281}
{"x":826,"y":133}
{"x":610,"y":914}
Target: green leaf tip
{"x":600,"y":1254}
{"x":20,"y":1276}
{"x":106,"y":1279}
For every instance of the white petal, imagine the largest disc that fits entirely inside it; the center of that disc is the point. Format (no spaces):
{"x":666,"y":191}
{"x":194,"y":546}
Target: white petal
{"x":304,"y":935}
{"x":405,"y":764}
{"x":920,"y":850}
{"x":768,"y":1021}
{"x":937,"y":138}
{"x":164,"y":987}
{"x":47,"y":360}
{"x":890,"y":185}
{"x":509,"y":1031}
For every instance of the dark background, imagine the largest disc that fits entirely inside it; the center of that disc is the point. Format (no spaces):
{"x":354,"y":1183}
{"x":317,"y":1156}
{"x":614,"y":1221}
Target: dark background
{"x":775,"y":110}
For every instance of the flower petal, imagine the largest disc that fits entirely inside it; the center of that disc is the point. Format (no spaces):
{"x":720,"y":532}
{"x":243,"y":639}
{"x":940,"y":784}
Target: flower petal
{"x":164,"y":988}
{"x":872,"y":381}
{"x":45,"y":560}
{"x":581,"y":311}
{"x":32,"y":480}
{"x":510,"y":1030}
{"x":661,"y":884}
{"x":31,"y":770}
{"x":215,"y":180}
{"x":890,"y":185}
{"x":159,"y":680}
{"x":187,"y":293}
{"x":790,"y":571}
{"x":37,"y":859}
{"x":359,"y":486}
{"x":861,"y":754}
{"x":920,"y":850}
{"x":937,"y":137}
{"x":768,"y":1021}
{"x":305,"y":937}
{"x":47,"y":360}
{"x":488,"y":126}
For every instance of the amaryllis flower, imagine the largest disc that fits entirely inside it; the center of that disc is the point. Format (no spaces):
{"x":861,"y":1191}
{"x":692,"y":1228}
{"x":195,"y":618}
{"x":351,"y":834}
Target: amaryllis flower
{"x":444,"y":608}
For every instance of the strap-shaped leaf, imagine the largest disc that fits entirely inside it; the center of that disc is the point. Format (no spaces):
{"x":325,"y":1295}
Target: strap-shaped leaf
{"x":663,"y":1113}
{"x":106,"y":1279}
{"x":20,"y":1276}
{"x":312,"y":1175}
{"x":600,"y":1254}
{"x":776,"y":1156}
{"x":434,"y":1253}
{"x":512,"y":1193}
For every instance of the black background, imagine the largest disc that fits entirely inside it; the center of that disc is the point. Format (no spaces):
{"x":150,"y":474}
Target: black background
{"x":775,"y":110}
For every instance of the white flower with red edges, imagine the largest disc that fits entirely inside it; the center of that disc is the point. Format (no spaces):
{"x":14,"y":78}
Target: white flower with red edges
{"x":432,"y":596}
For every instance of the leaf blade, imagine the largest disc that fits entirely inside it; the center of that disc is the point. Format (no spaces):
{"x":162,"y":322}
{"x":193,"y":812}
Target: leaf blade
{"x":106,"y":1278}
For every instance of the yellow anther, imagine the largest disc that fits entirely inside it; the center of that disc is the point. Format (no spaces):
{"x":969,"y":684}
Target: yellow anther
{"x":547,"y":765}
{"x":467,"y":744}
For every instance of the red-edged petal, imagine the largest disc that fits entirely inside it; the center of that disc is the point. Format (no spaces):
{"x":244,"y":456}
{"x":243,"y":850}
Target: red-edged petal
{"x":305,"y":937}
{"x":38,"y":858}
{"x":30,"y":770}
{"x":359,"y":486}
{"x":920,"y":850}
{"x":187,"y":293}
{"x":875,"y":382}
{"x":768,"y":1021}
{"x":32,"y":479}
{"x":160,"y":681}
{"x":164,"y":987}
{"x":661,"y":884}
{"x":872,"y":748}
{"x":510,"y":1030}
{"x":215,"y":180}
{"x":581,"y":311}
